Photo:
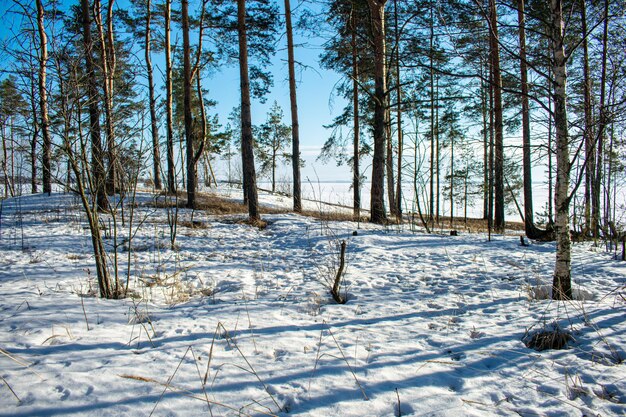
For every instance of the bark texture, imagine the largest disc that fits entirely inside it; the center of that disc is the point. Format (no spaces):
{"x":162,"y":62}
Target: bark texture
{"x":561,"y":284}
{"x":377,"y":207}
{"x":247,"y":141}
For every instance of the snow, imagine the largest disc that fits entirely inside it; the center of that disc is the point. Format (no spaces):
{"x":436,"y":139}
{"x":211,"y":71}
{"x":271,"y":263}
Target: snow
{"x":241,"y":319}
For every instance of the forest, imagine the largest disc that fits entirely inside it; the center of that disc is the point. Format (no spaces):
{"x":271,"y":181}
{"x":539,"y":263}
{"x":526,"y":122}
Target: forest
{"x":474,"y":266}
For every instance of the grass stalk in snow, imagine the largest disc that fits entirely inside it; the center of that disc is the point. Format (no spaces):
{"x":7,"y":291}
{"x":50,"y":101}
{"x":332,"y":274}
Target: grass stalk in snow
{"x":251,"y":370}
{"x":169,"y":380}
{"x":345,"y":359}
{"x":245,"y":303}
{"x":190,"y":394}
{"x":10,"y":389}
{"x":82,"y":303}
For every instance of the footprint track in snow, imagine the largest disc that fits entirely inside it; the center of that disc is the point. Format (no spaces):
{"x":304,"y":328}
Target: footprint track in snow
{"x":65,"y":393}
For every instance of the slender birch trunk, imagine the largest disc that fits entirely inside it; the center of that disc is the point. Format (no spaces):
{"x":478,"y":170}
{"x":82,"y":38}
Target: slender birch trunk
{"x":171,"y":166}
{"x":154,"y":129}
{"x":561,"y":284}
{"x":43,"y":101}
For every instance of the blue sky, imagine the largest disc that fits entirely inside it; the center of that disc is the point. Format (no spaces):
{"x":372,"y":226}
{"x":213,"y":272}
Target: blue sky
{"x":317,"y":106}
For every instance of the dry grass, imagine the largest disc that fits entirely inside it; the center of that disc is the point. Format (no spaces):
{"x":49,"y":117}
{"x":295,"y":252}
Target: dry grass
{"x":219,"y":205}
{"x":196,"y":224}
{"x":554,"y":338}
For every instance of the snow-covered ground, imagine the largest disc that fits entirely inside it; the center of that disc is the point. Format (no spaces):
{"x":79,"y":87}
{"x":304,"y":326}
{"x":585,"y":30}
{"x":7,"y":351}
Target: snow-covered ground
{"x":239,"y":321}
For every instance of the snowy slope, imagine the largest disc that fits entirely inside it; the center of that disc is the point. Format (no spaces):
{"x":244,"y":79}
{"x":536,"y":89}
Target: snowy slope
{"x":241,"y":319}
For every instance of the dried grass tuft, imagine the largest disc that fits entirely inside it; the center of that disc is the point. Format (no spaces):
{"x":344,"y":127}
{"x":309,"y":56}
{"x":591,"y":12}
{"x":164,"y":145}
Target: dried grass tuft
{"x":547,"y":339}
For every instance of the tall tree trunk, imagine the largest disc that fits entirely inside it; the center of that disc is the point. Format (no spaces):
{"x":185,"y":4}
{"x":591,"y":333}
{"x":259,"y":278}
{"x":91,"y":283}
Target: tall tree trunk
{"x":171,"y":166}
{"x":389,"y":161}
{"x":97,"y":164}
{"x":561,"y":284}
{"x":107,"y":56}
{"x":484,"y":110}
{"x":431,"y":213}
{"x":154,"y":129}
{"x":491,"y":148}
{"x":498,"y":118}
{"x":356,"y":145}
{"x":529,"y":225}
{"x":98,"y":177}
{"x":43,"y":100}
{"x":550,"y":151}
{"x":399,"y":114}
{"x":377,"y":207}
{"x":8,"y":188}
{"x":295,"y":126}
{"x":451,"y":181}
{"x":189,"y":132}
{"x":437,"y":149}
{"x":590,"y":144}
{"x":247,"y":141}
{"x":35,"y":137}
{"x":601,"y":133}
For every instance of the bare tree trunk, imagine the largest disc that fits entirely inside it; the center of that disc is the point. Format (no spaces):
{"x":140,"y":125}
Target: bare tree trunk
{"x":98,"y":177}
{"x":491,"y":149}
{"x":601,"y":133}
{"x":356,"y":145}
{"x":389,"y":161}
{"x":437,"y":149}
{"x":43,"y":100}
{"x":295,"y":126}
{"x":561,"y":284}
{"x":452,"y":181}
{"x":498,"y":127}
{"x":529,"y":225}
{"x":399,"y":115}
{"x":97,"y":163}
{"x":377,"y":211}
{"x":483,"y":99}
{"x":550,"y":155}
{"x":171,"y":167}
{"x":8,"y":188}
{"x":247,"y":154}
{"x":35,"y":137}
{"x":590,"y":145}
{"x":432,"y":119}
{"x":189,"y":133}
{"x":107,"y":55}
{"x":156,"y":152}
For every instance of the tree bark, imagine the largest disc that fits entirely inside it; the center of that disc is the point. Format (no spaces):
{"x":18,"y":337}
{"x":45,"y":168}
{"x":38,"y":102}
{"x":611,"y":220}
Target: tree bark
{"x":561,"y":284}
{"x":590,"y":145}
{"x":171,"y":167}
{"x":107,"y":55}
{"x":377,"y":207}
{"x":43,"y":101}
{"x":399,"y":115}
{"x":432,"y":118}
{"x":498,"y":118}
{"x":247,"y":141}
{"x":532,"y":232}
{"x":486,"y":147}
{"x":356,"y":145}
{"x":35,"y":137}
{"x":154,"y":129}
{"x":97,"y":164}
{"x":188,"y":119}
{"x":601,"y":133}
{"x":295,"y":126}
